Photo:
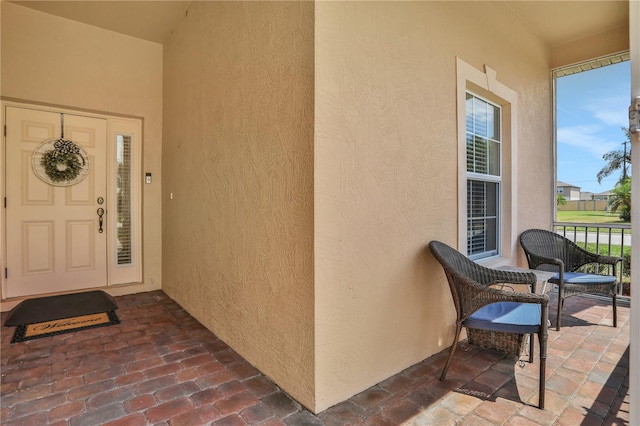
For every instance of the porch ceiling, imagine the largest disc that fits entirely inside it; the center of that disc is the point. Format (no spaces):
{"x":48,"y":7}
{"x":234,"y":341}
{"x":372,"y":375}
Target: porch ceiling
{"x":555,"y":22}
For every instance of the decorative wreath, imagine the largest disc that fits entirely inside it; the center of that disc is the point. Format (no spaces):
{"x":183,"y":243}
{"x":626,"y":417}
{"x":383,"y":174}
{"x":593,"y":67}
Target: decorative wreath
{"x":60,"y":162}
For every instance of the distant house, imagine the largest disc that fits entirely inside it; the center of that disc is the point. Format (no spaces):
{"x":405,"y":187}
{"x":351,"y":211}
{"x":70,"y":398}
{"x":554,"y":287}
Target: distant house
{"x":602,"y":196}
{"x":568,"y":191}
{"x":586,"y":196}
{"x":589,"y":196}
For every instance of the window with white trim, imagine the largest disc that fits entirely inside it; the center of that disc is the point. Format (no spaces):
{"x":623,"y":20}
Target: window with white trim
{"x":484,"y":176}
{"x":125,"y":202}
{"x":487,"y":166}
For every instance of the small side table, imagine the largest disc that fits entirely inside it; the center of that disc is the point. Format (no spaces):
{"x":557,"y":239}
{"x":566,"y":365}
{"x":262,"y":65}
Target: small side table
{"x":543,"y":276}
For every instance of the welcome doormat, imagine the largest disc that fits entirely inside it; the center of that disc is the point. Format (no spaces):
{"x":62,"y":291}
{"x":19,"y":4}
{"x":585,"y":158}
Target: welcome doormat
{"x":49,"y":316}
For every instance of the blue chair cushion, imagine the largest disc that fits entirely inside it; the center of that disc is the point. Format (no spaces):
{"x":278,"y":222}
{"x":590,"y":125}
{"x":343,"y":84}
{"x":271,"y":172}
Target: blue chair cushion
{"x":509,"y":317}
{"x":581,"y":278}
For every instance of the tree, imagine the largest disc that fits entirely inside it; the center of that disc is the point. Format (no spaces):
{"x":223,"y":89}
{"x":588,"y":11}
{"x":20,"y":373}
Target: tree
{"x":560,"y":200}
{"x":618,"y":159}
{"x":621,"y":199}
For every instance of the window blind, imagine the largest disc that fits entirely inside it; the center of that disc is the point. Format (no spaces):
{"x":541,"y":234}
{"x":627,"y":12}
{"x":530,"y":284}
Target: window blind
{"x":124,"y":253}
{"x":483,"y":176}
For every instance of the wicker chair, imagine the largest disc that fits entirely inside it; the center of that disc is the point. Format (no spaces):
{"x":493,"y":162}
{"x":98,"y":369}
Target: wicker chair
{"x":494,"y":318}
{"x":549,"y":251}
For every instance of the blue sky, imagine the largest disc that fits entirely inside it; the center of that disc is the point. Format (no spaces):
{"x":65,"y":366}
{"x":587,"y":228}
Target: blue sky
{"x":592,"y":106}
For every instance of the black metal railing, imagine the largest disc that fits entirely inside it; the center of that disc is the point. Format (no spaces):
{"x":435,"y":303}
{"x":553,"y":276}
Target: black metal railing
{"x":607,"y":239}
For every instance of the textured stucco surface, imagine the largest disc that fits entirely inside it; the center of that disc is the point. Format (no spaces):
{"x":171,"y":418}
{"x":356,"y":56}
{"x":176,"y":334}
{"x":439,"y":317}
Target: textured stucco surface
{"x":309,"y":153}
{"x":238,"y":159}
{"x":601,"y":44}
{"x":386,"y":173}
{"x":56,"y":61}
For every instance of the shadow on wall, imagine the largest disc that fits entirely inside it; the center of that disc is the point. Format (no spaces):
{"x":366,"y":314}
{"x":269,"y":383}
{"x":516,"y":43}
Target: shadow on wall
{"x":437,"y":299}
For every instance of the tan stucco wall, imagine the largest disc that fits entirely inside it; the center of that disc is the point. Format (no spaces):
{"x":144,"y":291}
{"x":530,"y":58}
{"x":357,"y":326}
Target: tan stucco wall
{"x":238,"y":159}
{"x":601,"y":44}
{"x":386,"y":173}
{"x":54,"y":61}
{"x":311,"y":153}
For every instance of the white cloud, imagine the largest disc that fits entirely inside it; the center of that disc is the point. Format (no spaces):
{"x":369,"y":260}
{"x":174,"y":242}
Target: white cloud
{"x":586,"y":139}
{"x":612,"y":110}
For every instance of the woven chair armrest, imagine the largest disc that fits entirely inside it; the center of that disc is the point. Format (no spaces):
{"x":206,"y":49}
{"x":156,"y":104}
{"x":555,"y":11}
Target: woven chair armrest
{"x":590,"y":257}
{"x":476,"y":296}
{"x":513,"y":296}
{"x":609,"y":260}
{"x":548,"y":260}
{"x":497,"y":276}
{"x":536,"y":260}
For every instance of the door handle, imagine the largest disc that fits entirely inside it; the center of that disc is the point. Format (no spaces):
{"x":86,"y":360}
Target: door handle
{"x":100,"y":214}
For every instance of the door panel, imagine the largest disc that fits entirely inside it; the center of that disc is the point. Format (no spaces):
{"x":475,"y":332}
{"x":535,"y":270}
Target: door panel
{"x":37,"y":247}
{"x":53,"y":238}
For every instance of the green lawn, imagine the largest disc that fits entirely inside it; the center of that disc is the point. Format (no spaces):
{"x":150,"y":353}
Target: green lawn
{"x":588,"y":217}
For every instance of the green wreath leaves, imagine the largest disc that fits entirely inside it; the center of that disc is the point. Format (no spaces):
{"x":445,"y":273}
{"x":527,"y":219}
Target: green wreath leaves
{"x":64,"y":162}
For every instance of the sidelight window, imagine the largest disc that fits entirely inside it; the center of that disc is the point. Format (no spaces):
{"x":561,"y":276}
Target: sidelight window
{"x":123,"y":200}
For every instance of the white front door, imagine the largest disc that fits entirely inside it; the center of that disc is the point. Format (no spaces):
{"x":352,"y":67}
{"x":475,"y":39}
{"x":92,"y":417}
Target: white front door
{"x":55,"y":239}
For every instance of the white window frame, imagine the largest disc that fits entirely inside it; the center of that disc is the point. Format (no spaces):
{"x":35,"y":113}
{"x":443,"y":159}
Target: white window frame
{"x":132,"y":272}
{"x":484,"y":84}
{"x":487,"y":178}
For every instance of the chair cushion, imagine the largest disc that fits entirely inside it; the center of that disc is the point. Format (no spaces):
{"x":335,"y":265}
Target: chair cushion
{"x":580,"y":278}
{"x":509,"y":317}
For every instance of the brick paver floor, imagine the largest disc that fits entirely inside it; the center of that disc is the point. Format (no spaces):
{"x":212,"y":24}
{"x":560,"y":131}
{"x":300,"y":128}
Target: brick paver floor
{"x":161,"y":367}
